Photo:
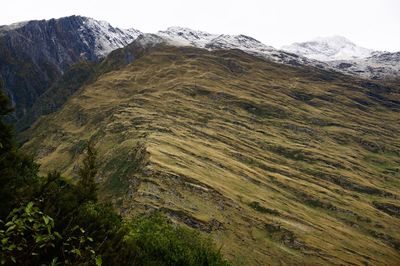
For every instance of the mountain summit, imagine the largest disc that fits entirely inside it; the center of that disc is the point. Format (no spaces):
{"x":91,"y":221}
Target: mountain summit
{"x":180,"y":36}
{"x":33,"y":54}
{"x":201,"y":39}
{"x":329,"y":49}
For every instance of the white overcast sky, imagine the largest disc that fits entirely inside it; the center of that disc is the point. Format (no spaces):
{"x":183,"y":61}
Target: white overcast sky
{"x":369,"y":23}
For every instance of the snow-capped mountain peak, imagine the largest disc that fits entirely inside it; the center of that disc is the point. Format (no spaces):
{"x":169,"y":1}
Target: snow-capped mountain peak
{"x":329,"y":48}
{"x":107,"y":38}
{"x":180,"y":36}
{"x":187,"y":37}
{"x":98,"y":36}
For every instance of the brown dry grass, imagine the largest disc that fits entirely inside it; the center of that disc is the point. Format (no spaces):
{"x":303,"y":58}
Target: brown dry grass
{"x":224,"y":129}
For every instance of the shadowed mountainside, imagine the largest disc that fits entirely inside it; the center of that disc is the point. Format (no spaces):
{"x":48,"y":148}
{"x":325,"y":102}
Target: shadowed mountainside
{"x":35,"y":54}
{"x":281,"y":165}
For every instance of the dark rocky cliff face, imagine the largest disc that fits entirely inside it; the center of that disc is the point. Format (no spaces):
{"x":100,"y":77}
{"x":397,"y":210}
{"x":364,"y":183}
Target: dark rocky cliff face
{"x":34,"y":54}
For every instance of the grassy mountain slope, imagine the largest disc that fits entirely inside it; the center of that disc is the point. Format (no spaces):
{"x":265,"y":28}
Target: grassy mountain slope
{"x":75,"y":77}
{"x":281,"y":165}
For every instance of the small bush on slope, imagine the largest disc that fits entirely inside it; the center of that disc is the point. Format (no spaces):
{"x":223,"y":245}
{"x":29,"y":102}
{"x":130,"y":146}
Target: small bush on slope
{"x":162,"y":243}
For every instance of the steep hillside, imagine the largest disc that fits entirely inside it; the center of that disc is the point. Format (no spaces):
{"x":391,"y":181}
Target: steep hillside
{"x":81,"y":73}
{"x":34,"y":54}
{"x":281,"y":165}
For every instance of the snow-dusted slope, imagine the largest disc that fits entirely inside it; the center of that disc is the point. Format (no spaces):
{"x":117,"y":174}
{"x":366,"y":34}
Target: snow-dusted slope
{"x":99,"y":36}
{"x":106,"y":37}
{"x":201,"y":39}
{"x":378,"y":66}
{"x":340,"y":54}
{"x":187,"y":37}
{"x":330,"y":53}
{"x":329,"y":49}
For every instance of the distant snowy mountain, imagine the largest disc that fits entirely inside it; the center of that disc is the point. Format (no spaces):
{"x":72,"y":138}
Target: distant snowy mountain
{"x":340,"y":54}
{"x":329,"y":49}
{"x":378,"y":66}
{"x":330,"y":53}
{"x":188,"y":37}
{"x":201,"y":39}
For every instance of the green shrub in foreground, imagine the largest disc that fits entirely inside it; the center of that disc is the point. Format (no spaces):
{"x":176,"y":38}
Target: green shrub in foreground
{"x":49,"y":220}
{"x":161,"y":243}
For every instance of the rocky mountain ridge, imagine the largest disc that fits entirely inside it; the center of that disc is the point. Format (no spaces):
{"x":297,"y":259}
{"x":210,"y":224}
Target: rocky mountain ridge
{"x":187,"y":37}
{"x":34,"y":54}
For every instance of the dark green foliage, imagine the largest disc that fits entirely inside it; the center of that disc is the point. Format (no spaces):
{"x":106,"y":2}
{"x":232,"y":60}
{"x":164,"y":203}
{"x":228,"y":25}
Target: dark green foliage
{"x":51,"y":221}
{"x":87,"y":188}
{"x":18,"y":180}
{"x":58,"y":196}
{"x":162,"y":243}
{"x":16,"y":170}
{"x":6,"y":135}
{"x":28,"y":237}
{"x":26,"y":233}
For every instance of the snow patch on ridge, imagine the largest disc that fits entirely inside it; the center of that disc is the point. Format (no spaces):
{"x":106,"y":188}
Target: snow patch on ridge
{"x":329,"y":49}
{"x":107,"y":38}
{"x":180,"y":36}
{"x":188,"y":37}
